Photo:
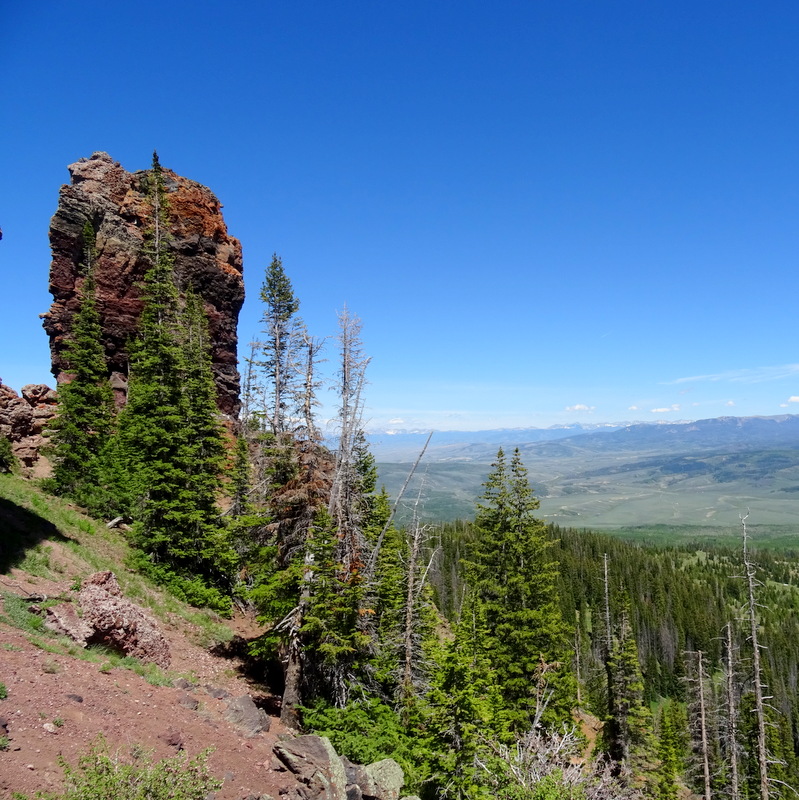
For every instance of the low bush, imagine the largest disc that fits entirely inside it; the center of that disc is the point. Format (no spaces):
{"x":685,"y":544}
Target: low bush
{"x":100,"y":774}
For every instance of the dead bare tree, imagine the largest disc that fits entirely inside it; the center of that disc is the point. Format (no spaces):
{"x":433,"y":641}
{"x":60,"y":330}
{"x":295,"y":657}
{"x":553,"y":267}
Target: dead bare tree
{"x":557,"y":757}
{"x":701,"y":720}
{"x":375,"y":554}
{"x":305,"y":393}
{"x":345,"y":502}
{"x":416,"y":580}
{"x":731,"y":708}
{"x":751,"y":613}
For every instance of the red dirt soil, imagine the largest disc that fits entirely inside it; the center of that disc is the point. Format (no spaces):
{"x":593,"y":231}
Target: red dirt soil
{"x":76,"y":701}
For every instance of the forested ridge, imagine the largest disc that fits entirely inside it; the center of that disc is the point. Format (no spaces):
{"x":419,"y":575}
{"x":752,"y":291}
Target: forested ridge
{"x":479,"y":654}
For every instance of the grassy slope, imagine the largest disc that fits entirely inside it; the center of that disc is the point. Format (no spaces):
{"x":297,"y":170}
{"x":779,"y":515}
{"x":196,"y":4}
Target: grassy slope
{"x":46,"y":537}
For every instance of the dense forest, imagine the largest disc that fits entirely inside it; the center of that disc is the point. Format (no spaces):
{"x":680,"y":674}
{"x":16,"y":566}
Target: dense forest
{"x":495,"y":657}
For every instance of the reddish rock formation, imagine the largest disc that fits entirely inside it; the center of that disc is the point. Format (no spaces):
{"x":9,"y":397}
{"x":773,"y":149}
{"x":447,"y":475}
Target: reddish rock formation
{"x":108,"y":618}
{"x":22,"y":419}
{"x":206,"y":257}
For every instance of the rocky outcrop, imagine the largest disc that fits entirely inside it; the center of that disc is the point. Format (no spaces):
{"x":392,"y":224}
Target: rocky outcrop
{"x":381,"y":779}
{"x":317,"y":765}
{"x":23,"y":418}
{"x":108,"y":618}
{"x":116,"y":205}
{"x":243,"y":712}
{"x":324,"y":775}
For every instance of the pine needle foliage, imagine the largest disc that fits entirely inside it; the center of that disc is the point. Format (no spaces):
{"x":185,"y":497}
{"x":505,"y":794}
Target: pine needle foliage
{"x":169,"y":441}
{"x":514,"y":579}
{"x":80,"y":432}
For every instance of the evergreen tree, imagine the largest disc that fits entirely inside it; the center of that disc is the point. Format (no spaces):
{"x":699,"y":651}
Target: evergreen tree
{"x":514,"y":579}
{"x":82,"y":428}
{"x":669,"y":756}
{"x":631,"y":719}
{"x":168,"y":441}
{"x":8,"y":461}
{"x":461,"y":707}
{"x":280,"y":348}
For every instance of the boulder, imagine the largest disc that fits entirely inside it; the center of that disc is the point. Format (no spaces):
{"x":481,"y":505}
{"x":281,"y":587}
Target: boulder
{"x":316,"y":764}
{"x":118,"y":623}
{"x":243,"y":712}
{"x":63,"y":619}
{"x":387,"y":777}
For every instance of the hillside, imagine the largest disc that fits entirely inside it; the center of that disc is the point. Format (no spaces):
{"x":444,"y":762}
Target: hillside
{"x":60,"y":697}
{"x":701,"y":474}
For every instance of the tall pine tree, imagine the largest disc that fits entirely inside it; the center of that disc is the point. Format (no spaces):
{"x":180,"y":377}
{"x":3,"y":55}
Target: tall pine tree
{"x":514,"y":578}
{"x":82,"y":428}
{"x":168,"y":442}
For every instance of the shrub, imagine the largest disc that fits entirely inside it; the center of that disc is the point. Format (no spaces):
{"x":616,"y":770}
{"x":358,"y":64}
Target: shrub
{"x":3,"y":691}
{"x":8,"y":460}
{"x":370,"y":731}
{"x":99,"y":774}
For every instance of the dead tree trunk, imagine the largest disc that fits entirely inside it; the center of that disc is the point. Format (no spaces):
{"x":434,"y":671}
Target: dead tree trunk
{"x":345,"y":502}
{"x":703,"y":725}
{"x":732,"y":717}
{"x":760,"y":710}
{"x":699,"y":726}
{"x":292,"y":692}
{"x":418,"y":547}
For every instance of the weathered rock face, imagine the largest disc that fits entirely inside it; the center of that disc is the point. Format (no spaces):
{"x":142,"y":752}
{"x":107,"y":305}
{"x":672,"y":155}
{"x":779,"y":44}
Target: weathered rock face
{"x":326,"y":776}
{"x":23,"y":418}
{"x":108,"y":618}
{"x":114,"y":201}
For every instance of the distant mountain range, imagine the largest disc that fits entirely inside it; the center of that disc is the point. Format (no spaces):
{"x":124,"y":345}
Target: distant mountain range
{"x":701,"y":472}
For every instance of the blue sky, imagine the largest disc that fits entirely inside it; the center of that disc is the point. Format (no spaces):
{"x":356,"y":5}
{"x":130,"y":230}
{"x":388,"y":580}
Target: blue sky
{"x":543,"y":212}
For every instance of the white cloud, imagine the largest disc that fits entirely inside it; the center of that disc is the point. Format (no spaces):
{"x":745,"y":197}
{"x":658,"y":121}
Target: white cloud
{"x":754,"y":375}
{"x":783,"y":405}
{"x":580,"y":407}
{"x":396,"y":421}
{"x":674,"y":407}
{"x":633,"y":408}
{"x":793,"y":399}
{"x":730,"y":403}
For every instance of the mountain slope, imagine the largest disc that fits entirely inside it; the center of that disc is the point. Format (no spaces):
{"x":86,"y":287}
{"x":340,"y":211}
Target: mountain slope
{"x":59,"y":696}
{"x":700,"y":473}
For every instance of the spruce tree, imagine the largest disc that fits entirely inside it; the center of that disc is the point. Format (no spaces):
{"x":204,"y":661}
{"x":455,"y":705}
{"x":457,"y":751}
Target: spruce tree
{"x":514,"y":578}
{"x":168,"y":441}
{"x":280,"y":348}
{"x":8,"y":461}
{"x":631,"y":722}
{"x":669,"y":755}
{"x":80,"y":432}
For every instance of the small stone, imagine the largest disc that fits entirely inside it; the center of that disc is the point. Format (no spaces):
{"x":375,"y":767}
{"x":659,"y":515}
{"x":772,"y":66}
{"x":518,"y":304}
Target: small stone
{"x":76,"y":697}
{"x":30,"y":766}
{"x":187,"y":701}
{"x":50,"y":728}
{"x":173,"y":738}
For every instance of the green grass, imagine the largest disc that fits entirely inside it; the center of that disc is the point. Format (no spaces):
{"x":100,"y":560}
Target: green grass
{"x":15,"y":613}
{"x":771,"y":537}
{"x":32,"y":520}
{"x":3,"y":691}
